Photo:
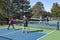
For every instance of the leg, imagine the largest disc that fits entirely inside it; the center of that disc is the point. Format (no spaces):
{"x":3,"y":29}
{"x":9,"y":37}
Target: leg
{"x":57,"y":25}
{"x":26,"y":29}
{"x":8,"y":26}
{"x":23,"y":28}
{"x":13,"y":26}
{"x":47,"y":22}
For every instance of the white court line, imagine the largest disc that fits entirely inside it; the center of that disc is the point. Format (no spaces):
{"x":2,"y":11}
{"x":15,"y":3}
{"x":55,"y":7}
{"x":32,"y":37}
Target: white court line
{"x":46,"y":35}
{"x":9,"y":33}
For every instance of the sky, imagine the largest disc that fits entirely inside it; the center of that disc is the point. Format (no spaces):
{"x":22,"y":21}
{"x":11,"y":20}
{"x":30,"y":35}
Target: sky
{"x":47,"y":3}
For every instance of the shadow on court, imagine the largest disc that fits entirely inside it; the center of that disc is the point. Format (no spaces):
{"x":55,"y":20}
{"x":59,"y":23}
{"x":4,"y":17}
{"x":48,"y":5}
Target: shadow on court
{"x":35,"y":31}
{"x":4,"y":38}
{"x":18,"y":29}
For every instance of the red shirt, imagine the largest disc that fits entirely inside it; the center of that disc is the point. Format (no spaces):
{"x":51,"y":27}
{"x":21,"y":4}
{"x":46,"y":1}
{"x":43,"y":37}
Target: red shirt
{"x":10,"y":21}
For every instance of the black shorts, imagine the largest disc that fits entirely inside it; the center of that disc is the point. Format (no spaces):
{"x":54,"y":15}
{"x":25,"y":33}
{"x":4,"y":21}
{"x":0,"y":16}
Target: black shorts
{"x":25,"y":25}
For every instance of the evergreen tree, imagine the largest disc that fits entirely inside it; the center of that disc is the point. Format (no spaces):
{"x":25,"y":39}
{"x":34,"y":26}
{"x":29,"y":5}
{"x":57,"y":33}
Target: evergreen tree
{"x":2,"y":12}
{"x":14,"y":7}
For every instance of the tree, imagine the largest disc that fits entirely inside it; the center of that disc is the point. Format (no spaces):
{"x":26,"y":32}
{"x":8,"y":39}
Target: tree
{"x":15,"y":8}
{"x":2,"y":12}
{"x":45,"y":14}
{"x":55,"y":10}
{"x":25,"y":8}
{"x":37,"y":9}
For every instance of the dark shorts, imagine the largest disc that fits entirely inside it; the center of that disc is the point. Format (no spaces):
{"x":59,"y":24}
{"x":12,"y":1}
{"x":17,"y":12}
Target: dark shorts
{"x":25,"y":25}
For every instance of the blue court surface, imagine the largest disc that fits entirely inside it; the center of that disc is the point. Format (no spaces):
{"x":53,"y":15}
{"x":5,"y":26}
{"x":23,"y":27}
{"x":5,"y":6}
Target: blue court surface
{"x":19,"y":35}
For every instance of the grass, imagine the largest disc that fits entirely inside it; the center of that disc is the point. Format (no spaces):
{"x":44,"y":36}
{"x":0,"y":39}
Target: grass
{"x":53,"y":36}
{"x":3,"y":26}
